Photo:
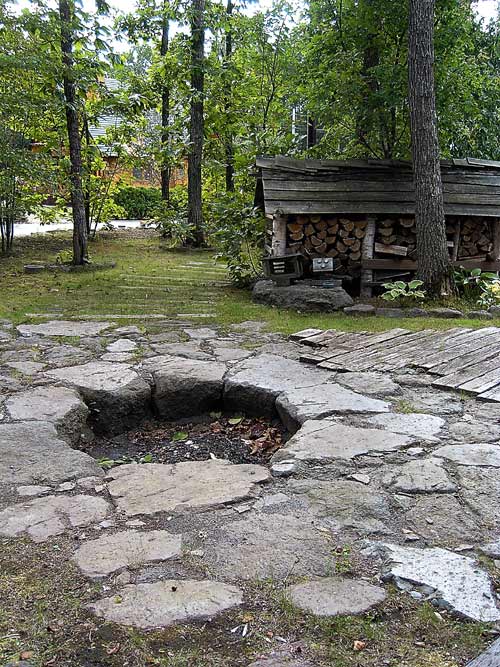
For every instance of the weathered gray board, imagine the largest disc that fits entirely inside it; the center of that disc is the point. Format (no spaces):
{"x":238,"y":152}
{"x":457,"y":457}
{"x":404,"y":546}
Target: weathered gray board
{"x":490,"y":658}
{"x":464,"y":359}
{"x":470,"y":187}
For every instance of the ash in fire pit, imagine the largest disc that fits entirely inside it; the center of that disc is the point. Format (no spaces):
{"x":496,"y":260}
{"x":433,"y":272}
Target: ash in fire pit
{"x":232,"y":437}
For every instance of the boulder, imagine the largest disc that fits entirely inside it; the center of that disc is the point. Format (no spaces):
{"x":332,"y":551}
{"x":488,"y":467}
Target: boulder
{"x":253,"y":385}
{"x":61,"y":406}
{"x":360,"y":309}
{"x":33,"y":452}
{"x":479,"y":315}
{"x":446,"y":313}
{"x":390,"y":312}
{"x":117,"y":396}
{"x":185,"y":387}
{"x":301,"y":297}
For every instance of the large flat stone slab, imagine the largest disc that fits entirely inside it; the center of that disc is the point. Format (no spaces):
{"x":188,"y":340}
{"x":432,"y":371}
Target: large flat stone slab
{"x":480,"y":488}
{"x":253,"y":385}
{"x":295,"y":406}
{"x":196,"y":485}
{"x":66,"y":355}
{"x":472,"y":430}
{"x":371,"y":383}
{"x":59,"y":405}
{"x":475,"y":454}
{"x":321,"y":440}
{"x":441,"y":519}
{"x":346,"y":504}
{"x":164,"y":603}
{"x":420,"y":476}
{"x":128,"y":548}
{"x":336,"y":596}
{"x":268,"y":546}
{"x":43,"y":517}
{"x":63,"y":328}
{"x":26,"y":367}
{"x":122,"y":345}
{"x":459,"y":583}
{"x":418,"y":425}
{"x":116,"y":394}
{"x":301,"y":297}
{"x":185,"y":387}
{"x":33,"y":452}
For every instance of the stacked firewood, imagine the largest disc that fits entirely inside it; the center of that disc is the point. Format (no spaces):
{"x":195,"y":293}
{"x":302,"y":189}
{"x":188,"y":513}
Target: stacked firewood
{"x":329,"y":236}
{"x":396,"y":236}
{"x":476,"y":238}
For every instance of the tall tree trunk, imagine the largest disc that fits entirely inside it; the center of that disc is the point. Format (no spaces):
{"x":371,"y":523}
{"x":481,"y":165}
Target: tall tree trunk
{"x":228,"y":140}
{"x":165,"y":109}
{"x":87,"y":177}
{"x":66,"y":14}
{"x":432,"y":252}
{"x":196,"y":126}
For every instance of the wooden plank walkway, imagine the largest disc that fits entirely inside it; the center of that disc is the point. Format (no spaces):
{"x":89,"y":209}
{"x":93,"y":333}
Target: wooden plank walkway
{"x":490,"y":657}
{"x":467,"y":360}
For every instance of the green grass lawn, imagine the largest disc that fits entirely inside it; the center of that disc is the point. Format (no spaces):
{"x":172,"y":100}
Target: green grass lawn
{"x":148,"y":280}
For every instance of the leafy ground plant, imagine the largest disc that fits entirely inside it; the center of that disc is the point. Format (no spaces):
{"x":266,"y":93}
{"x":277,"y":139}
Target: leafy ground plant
{"x":401,"y":291}
{"x":474,"y":285}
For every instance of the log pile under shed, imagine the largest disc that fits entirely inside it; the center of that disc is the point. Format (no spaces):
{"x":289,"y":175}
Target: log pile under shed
{"x":327,"y":236}
{"x":361,"y":213}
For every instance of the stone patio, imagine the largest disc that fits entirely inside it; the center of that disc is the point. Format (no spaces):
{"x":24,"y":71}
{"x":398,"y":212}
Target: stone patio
{"x":401,"y":473}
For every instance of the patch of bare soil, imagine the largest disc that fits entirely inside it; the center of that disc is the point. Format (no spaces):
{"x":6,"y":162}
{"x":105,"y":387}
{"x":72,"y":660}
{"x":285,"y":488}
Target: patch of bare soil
{"x":234,"y":438}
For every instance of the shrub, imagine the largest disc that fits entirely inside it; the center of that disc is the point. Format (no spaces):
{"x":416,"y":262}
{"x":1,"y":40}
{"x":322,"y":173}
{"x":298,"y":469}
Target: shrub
{"x":473,"y":284}
{"x":171,"y":218}
{"x":490,"y":294}
{"x":139,"y":203}
{"x":238,"y":232}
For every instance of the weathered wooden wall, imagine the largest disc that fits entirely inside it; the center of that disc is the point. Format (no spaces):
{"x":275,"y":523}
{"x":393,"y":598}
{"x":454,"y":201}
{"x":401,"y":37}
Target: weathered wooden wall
{"x":295,"y":187}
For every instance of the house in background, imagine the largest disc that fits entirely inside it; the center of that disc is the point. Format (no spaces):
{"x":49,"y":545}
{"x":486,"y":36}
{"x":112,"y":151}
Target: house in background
{"x":148,"y":174}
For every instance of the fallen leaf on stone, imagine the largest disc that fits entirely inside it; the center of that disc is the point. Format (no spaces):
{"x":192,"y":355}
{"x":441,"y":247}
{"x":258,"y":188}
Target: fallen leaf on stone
{"x":359,"y":645}
{"x":118,"y":599}
{"x":234,"y":421}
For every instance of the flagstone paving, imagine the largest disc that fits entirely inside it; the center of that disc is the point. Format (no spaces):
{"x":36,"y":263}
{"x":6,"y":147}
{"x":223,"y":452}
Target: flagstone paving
{"x":400,"y":474}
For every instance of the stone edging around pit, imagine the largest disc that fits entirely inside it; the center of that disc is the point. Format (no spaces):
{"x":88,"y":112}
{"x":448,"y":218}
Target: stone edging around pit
{"x":340,"y":475}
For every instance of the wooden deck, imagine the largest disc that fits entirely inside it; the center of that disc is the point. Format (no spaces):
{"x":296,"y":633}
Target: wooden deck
{"x":467,"y":360}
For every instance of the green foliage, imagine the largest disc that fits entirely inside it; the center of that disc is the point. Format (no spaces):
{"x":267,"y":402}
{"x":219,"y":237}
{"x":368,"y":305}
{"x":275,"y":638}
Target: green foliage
{"x":171,"y":218}
{"x":490,"y":294}
{"x":401,"y":291}
{"x":476,"y":286}
{"x":138,"y":203}
{"x":238,"y":233}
